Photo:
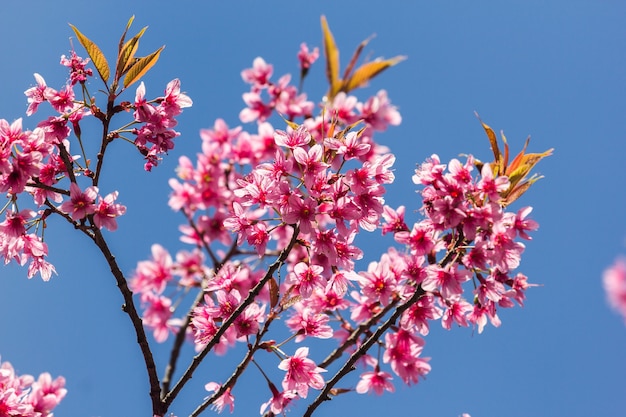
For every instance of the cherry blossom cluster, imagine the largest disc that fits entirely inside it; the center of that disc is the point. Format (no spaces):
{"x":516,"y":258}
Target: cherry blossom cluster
{"x":275,"y":216}
{"x":158,"y":121}
{"x":36,"y":162}
{"x":614,"y":281}
{"x":310,"y":189}
{"x":466,"y":235}
{"x":22,"y":395}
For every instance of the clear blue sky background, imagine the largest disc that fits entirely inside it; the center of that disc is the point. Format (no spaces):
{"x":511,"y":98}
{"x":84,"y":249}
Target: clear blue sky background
{"x":551,"y":69}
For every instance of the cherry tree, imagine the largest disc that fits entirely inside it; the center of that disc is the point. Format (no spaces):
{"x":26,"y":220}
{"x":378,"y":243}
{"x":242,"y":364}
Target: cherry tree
{"x":272,"y":213}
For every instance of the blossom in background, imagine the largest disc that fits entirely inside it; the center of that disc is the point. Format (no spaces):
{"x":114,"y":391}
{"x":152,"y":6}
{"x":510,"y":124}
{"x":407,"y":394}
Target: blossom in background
{"x":614,"y":281}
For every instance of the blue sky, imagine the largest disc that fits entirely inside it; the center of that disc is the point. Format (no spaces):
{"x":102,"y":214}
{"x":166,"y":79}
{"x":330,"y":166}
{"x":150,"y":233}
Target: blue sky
{"x":553,"y":70}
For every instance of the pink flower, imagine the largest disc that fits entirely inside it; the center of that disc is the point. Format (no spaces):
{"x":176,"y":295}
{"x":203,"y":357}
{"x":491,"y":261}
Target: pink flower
{"x":378,"y":112}
{"x":311,"y":163}
{"x":279,"y":401}
{"x":78,"y":72}
{"x":174,"y":100}
{"x":46,"y":393}
{"x":225,"y":400}
{"x":259,"y":74}
{"x":301,"y":210}
{"x":307,"y":278}
{"x":81,"y":203}
{"x":419,"y":314}
{"x":447,"y":280}
{"x":292,"y":139}
{"x":305,"y":322}
{"x":62,"y":100}
{"x":157,"y":315}
{"x":421,"y":240}
{"x":257,"y":109}
{"x":522,"y":224}
{"x":351,"y":147}
{"x":456,"y":312}
{"x":106,"y":211}
{"x":15,"y":223}
{"x":490,"y":186}
{"x":614,"y":281}
{"x":307,"y":58}
{"x":37,"y":95}
{"x":377,"y":381}
{"x":402,"y":352}
{"x":153,"y":275}
{"x":302,"y":373}
{"x":378,"y":283}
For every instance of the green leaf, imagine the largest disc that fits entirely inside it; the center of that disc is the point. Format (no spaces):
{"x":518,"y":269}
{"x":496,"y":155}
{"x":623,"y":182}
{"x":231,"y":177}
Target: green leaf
{"x":96,"y":55}
{"x":332,"y":59}
{"x":139,"y":68}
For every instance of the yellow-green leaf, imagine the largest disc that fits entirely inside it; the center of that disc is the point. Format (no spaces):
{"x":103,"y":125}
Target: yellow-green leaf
{"x":130,"y":22}
{"x":96,"y":55}
{"x":143,"y":65}
{"x":368,"y":71}
{"x":332,"y":59}
{"x":123,"y":37}
{"x":127,"y":53}
{"x":289,"y":123}
{"x":514,"y":193}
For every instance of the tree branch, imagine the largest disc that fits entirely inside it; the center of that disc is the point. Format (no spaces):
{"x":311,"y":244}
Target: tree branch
{"x":230,"y":320}
{"x":369,"y":342}
{"x":158,"y":407}
{"x":180,"y":335}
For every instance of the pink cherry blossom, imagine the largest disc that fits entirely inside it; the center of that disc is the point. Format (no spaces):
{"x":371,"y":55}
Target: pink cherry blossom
{"x":302,"y":373}
{"x":225,"y":400}
{"x":106,"y":212}
{"x":377,"y":381}
{"x":307,"y":277}
{"x":614,"y":281}
{"x":292,"y":139}
{"x":37,"y":95}
{"x":77,"y":66}
{"x":306,"y":57}
{"x":80,"y":203}
{"x":305,"y":322}
{"x":259,"y":74}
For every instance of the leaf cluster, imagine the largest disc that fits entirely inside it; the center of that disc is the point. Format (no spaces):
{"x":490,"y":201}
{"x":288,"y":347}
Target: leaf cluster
{"x":132,"y":68}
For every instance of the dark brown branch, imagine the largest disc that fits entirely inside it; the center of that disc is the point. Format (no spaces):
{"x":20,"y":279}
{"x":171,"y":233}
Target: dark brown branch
{"x":254,"y":292}
{"x":356,"y":333}
{"x":40,"y":185}
{"x":180,"y":335}
{"x":232,"y":379}
{"x":369,"y":342}
{"x":105,"y":137}
{"x":178,"y":344}
{"x":158,"y":407}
